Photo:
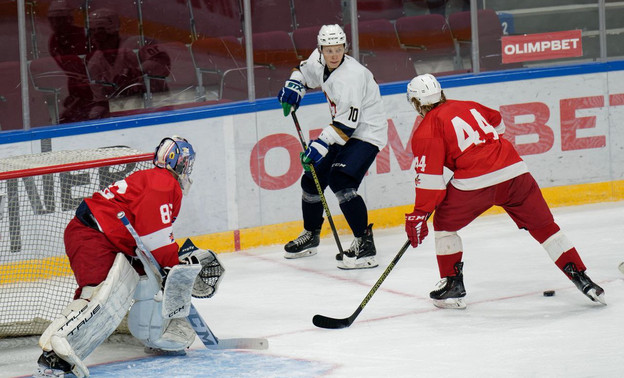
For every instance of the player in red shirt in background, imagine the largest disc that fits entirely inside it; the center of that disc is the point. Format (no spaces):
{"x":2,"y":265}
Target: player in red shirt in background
{"x":465,"y":137}
{"x":113,"y":67}
{"x":102,"y":256}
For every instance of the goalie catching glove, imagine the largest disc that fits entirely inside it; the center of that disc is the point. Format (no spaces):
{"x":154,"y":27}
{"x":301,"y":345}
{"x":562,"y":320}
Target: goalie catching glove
{"x":209,"y":277}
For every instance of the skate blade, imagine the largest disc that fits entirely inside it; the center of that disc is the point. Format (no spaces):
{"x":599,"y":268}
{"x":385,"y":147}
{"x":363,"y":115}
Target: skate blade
{"x":160,"y":352}
{"x":298,"y":255}
{"x":596,"y":298}
{"x":368,"y":263}
{"x":450,"y":303}
{"x":46,"y":372}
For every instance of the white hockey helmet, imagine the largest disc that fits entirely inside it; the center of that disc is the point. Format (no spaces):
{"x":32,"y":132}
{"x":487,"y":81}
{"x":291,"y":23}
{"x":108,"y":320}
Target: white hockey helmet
{"x":424,"y":88}
{"x":330,"y":35}
{"x":176,"y":155}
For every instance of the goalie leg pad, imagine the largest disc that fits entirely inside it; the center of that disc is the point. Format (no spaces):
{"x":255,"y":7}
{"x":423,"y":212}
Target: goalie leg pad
{"x":140,"y":315}
{"x":147,"y":324}
{"x":177,"y":336}
{"x":178,"y":287}
{"x":88,"y":321}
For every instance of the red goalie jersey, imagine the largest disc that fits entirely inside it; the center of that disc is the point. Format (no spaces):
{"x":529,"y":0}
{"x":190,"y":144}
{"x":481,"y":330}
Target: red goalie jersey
{"x":151,"y":200}
{"x":465,"y":137}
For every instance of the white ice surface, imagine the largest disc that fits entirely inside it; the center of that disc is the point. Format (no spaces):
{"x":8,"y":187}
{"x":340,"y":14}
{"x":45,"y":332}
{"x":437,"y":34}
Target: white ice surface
{"x":508,"y":330}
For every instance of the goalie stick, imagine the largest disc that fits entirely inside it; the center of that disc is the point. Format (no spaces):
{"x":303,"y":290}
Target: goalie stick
{"x":322,"y":321}
{"x":319,"y":189}
{"x":200,"y":327}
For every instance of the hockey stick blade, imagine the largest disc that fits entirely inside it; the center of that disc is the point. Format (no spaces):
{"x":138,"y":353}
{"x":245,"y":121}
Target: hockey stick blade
{"x":241,"y":343}
{"x":322,"y":321}
{"x":334,"y":323}
{"x":211,"y":341}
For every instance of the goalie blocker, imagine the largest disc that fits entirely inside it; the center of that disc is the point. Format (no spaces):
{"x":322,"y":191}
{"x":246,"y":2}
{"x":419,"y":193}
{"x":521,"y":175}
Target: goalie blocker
{"x":157,"y":311}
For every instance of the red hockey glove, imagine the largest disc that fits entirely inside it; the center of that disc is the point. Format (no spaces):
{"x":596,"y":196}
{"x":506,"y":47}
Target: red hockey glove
{"x":416,"y":227}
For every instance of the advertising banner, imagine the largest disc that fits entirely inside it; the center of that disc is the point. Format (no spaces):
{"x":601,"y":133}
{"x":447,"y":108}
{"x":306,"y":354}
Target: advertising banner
{"x":542,"y":46}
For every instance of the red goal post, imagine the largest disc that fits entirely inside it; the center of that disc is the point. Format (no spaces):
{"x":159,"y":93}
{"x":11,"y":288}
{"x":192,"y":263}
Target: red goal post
{"x":39,"y":194}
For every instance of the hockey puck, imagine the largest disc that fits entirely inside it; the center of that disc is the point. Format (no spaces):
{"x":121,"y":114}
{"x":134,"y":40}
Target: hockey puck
{"x":549,"y":293}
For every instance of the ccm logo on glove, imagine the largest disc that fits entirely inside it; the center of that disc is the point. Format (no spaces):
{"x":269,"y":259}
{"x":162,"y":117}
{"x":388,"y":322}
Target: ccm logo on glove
{"x":416,"y":227}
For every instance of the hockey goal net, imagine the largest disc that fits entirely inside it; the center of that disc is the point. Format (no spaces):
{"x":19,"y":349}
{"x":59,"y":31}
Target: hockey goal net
{"x":38,"y":196}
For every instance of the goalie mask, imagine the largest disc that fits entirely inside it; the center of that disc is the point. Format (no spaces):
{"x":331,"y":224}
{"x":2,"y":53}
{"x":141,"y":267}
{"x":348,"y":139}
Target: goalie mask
{"x":176,"y":155}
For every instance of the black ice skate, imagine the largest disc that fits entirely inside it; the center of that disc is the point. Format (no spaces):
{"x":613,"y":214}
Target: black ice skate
{"x":304,"y":246}
{"x":450,"y":290}
{"x":361,"y":254}
{"x":51,"y":365}
{"x":584,"y":283}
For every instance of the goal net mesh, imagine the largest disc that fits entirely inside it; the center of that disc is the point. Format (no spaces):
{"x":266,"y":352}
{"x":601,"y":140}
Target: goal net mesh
{"x":39,"y":194}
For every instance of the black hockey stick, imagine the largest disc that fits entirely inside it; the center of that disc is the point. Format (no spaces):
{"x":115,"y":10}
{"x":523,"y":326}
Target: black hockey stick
{"x":200,"y":327}
{"x":318,"y":187}
{"x":333,"y":323}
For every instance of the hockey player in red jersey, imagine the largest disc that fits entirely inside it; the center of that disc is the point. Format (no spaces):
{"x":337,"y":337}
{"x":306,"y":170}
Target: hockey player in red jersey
{"x":466,"y":138}
{"x":110,"y":279}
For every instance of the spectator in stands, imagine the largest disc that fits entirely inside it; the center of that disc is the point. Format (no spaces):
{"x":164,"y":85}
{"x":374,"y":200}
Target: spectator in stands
{"x":114,"y":70}
{"x":156,"y":63}
{"x":67,"y":44}
{"x":67,"y":38}
{"x":439,"y":6}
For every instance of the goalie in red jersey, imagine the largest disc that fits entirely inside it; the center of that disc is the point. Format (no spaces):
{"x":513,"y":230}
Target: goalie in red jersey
{"x":466,"y":138}
{"x":111,"y":281}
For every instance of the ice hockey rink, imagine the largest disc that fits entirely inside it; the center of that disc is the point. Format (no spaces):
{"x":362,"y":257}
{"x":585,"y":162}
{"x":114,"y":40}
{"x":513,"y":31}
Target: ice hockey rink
{"x":509,"y":328}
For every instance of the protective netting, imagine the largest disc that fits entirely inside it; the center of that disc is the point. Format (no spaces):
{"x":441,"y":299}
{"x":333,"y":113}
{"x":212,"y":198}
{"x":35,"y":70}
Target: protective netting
{"x":38,"y":197}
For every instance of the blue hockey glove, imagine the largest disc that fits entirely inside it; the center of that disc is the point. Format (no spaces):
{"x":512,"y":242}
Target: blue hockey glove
{"x":314,"y":153}
{"x":291,"y":95}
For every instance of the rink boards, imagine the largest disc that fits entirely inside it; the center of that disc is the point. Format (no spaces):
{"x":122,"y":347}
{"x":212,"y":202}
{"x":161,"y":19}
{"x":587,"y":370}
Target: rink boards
{"x":565,"y":122}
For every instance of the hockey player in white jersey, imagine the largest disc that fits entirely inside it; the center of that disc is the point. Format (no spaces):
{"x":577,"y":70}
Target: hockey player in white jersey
{"x":344,"y":150}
